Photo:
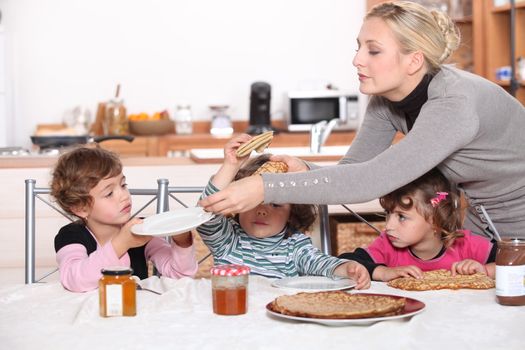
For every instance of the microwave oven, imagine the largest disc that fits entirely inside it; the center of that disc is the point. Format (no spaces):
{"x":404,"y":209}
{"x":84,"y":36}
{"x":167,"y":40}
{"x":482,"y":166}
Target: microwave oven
{"x":305,"y":108}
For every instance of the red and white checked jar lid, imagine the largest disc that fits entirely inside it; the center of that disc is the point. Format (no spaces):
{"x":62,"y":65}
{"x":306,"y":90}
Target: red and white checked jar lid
{"x":230,"y":270}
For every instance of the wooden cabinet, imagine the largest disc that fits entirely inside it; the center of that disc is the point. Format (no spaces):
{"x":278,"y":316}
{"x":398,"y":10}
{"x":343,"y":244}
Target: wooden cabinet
{"x":497,"y":38}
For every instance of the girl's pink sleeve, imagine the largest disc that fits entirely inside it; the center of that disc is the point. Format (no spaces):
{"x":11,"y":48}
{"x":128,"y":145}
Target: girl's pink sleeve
{"x":170,"y":259}
{"x":379,"y":250}
{"x":80,"y":272}
{"x":478,"y":246}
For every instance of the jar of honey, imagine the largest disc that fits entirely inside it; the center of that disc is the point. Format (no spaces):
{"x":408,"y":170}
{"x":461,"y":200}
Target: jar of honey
{"x":117,"y":292}
{"x":510,"y":272}
{"x":229,"y":289}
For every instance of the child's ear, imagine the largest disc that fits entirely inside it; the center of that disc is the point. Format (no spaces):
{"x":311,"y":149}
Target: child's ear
{"x":81,"y":211}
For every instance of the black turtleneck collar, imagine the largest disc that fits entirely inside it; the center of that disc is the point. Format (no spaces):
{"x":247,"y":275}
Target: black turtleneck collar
{"x":411,"y":105}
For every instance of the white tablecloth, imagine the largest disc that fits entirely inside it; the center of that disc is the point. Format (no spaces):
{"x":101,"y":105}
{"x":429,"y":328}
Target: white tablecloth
{"x":45,"y":316}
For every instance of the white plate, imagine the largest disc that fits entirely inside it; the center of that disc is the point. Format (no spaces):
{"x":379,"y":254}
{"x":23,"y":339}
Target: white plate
{"x":412,"y":307}
{"x":317,"y":283}
{"x":172,"y":222}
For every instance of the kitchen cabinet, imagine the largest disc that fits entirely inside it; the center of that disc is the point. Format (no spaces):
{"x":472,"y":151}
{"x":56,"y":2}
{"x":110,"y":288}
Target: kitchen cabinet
{"x":496,"y":40}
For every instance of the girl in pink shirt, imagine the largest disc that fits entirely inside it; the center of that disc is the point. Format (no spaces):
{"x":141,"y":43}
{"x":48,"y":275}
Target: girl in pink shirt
{"x":88,"y":183}
{"x":423,"y":233}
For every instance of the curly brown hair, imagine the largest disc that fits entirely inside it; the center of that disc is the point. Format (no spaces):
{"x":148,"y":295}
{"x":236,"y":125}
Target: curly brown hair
{"x":445,"y":217}
{"x":77,"y":172}
{"x":302,"y":216}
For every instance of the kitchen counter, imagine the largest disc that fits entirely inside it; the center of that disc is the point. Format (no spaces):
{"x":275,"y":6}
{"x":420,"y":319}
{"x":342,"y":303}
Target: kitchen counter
{"x":37,"y":161}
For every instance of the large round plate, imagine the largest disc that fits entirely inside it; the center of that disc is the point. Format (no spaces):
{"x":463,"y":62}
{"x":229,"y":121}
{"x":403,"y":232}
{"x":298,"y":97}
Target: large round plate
{"x":172,"y":222}
{"x":314,"y":283}
{"x":412,"y":307}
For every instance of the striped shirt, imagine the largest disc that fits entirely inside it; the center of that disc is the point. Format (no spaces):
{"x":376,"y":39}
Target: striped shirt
{"x":276,"y":256}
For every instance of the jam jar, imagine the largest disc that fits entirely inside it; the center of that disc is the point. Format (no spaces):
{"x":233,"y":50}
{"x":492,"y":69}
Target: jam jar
{"x":229,"y":289}
{"x":117,"y":292}
{"x":510,"y":272}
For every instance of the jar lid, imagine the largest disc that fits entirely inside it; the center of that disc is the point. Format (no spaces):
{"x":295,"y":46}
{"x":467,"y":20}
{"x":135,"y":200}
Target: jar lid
{"x":230,"y":270}
{"x":117,"y":270}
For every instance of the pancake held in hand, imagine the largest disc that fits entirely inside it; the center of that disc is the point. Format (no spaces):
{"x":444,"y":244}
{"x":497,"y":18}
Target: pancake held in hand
{"x":258,"y":143}
{"x":338,"y":305}
{"x":272,"y":167}
{"x":443,"y":279}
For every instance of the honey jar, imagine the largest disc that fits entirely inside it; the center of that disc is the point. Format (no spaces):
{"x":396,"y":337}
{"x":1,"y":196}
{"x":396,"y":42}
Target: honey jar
{"x":117,"y":292}
{"x":510,"y":272}
{"x":229,"y":289}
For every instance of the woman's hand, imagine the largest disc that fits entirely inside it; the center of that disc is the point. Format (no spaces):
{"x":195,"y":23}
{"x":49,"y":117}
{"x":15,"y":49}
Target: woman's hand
{"x":467,"y":267}
{"x":385,"y":274}
{"x":237,"y":197}
{"x":294,"y":164}
{"x":356,"y":271}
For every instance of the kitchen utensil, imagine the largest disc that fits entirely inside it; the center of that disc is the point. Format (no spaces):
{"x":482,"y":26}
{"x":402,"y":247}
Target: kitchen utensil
{"x":491,"y":224}
{"x":56,"y":141}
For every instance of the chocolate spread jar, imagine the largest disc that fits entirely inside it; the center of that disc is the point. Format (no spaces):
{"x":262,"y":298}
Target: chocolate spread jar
{"x":510,"y":272}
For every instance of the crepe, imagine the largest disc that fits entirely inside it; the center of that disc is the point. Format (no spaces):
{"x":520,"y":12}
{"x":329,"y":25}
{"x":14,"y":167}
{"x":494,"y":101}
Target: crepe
{"x":258,"y":143}
{"x":338,"y":305}
{"x":272,"y":167}
{"x":443,"y":279}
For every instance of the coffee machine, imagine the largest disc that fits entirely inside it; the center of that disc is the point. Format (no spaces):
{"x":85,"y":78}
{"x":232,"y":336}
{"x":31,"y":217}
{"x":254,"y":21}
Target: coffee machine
{"x":260,"y":96}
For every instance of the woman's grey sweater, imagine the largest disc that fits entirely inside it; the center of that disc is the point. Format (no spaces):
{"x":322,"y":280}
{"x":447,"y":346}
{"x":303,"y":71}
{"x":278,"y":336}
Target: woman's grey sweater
{"x":470,"y":128}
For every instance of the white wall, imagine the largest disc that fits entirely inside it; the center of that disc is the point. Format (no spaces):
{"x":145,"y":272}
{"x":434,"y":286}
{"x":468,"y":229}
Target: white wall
{"x":63,"y":53}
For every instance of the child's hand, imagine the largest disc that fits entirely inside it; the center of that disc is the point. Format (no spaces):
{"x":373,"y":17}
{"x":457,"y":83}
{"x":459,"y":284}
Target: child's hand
{"x":183,"y":240}
{"x":294,"y":164}
{"x":231,"y":147}
{"x":356,"y":271}
{"x":467,"y":267}
{"x":385,"y":274}
{"x":125,"y":239}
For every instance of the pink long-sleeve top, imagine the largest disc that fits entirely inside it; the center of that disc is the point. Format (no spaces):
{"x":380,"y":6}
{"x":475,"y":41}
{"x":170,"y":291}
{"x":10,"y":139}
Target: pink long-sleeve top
{"x":80,"y":258}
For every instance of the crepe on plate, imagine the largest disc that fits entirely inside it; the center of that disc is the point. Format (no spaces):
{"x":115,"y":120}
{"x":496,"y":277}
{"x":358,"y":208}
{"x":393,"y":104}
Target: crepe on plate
{"x":443,"y":279}
{"x":338,"y":305}
{"x":258,"y":143}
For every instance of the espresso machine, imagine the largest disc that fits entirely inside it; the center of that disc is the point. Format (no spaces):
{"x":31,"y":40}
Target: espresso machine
{"x":260,"y":96}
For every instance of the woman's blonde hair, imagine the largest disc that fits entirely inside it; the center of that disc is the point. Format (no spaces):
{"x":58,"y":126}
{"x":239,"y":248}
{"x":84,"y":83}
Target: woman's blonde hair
{"x":418,"y":29}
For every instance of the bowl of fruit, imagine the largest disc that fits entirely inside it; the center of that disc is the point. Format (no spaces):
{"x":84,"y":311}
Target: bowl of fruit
{"x":158,"y":123}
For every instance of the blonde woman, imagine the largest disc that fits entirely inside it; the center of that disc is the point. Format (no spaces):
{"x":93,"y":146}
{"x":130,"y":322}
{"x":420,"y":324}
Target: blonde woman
{"x":468,"y":127}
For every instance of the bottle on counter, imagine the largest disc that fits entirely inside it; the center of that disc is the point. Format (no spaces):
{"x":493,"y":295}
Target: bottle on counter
{"x":510,"y":272}
{"x":183,"y":119}
{"x":117,"y":292}
{"x":115,"y":119}
{"x":229,"y":289}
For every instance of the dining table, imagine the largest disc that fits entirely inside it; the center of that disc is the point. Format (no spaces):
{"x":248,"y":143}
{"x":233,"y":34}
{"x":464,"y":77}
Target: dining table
{"x":180,"y":316}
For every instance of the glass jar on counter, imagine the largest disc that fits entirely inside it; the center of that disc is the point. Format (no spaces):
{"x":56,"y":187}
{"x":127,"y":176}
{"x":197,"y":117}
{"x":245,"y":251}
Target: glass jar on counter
{"x":510,"y":272}
{"x":229,"y":289}
{"x":115,"y":119}
{"x":117,"y":292}
{"x":183,"y":119}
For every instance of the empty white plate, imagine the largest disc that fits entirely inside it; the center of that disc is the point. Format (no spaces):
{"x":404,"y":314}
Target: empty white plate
{"x":317,"y":283}
{"x":172,"y":222}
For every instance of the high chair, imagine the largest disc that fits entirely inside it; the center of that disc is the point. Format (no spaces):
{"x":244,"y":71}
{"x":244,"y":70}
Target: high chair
{"x":161,"y":196}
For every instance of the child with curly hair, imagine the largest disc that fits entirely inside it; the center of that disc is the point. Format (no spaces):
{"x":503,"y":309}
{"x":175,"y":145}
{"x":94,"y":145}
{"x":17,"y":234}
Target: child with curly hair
{"x":269,"y":237}
{"x":88,"y":183}
{"x":423,"y":233}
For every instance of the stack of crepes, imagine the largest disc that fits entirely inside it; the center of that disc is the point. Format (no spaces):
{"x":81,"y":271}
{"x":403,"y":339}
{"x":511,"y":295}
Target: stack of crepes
{"x":338,"y":305}
{"x":258,"y":143}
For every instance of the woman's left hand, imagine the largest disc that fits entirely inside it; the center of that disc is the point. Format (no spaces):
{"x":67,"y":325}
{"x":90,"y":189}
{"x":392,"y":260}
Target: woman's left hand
{"x":238,"y":197}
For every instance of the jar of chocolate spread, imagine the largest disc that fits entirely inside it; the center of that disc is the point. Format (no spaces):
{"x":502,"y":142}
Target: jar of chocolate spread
{"x":510,"y":272}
